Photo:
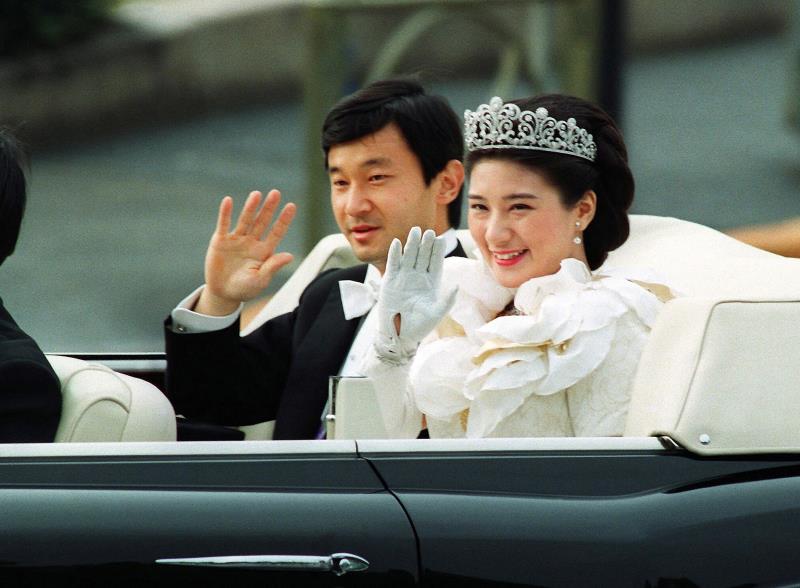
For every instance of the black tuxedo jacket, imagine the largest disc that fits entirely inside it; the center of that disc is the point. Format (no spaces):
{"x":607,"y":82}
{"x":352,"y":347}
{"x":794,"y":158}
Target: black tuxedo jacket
{"x":30,"y":393}
{"x":280,"y":371}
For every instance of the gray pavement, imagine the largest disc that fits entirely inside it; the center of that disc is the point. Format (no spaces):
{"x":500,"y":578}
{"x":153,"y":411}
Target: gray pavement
{"x":116,"y":230}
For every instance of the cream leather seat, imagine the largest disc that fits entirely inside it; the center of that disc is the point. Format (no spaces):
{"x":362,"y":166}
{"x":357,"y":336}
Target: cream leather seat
{"x":720,"y":373}
{"x":99,"y":404}
{"x":702,"y":262}
{"x":722,"y":376}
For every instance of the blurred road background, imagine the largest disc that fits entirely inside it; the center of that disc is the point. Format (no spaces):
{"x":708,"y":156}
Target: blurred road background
{"x":121,"y":209}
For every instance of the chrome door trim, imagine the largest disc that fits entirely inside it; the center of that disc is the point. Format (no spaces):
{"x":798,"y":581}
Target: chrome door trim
{"x":338,"y":563}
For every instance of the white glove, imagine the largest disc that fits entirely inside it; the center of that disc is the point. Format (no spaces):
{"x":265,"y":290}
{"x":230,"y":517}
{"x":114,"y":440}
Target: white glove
{"x":411,"y":290}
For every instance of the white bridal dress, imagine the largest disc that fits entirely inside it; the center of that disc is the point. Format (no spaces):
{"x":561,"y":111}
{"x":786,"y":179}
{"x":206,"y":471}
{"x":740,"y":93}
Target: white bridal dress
{"x":562,"y":364}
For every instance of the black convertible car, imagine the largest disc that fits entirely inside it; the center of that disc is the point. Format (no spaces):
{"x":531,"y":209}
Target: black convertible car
{"x":538,"y":512}
{"x":702,"y":490}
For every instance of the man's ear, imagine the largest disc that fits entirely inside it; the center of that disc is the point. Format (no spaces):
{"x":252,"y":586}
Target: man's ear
{"x":585,"y":208}
{"x":449,"y":180}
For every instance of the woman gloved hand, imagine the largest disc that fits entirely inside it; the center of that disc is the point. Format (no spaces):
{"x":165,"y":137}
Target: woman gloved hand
{"x":410,"y":303}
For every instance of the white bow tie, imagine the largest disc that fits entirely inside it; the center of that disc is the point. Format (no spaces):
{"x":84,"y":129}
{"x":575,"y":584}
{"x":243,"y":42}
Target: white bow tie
{"x":358,"y":297}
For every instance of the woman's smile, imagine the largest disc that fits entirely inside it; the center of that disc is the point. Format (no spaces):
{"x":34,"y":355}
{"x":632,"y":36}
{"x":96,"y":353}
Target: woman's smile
{"x":508,"y":258}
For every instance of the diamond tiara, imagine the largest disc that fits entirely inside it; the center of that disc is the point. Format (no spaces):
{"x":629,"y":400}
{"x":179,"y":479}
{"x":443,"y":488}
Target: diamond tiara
{"x":504,"y":126}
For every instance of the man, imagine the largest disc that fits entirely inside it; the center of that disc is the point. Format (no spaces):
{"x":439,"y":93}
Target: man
{"x":393,"y":155}
{"x":30,"y":393}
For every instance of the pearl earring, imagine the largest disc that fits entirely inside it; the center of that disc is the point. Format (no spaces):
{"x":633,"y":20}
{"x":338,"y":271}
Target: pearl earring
{"x":577,"y":240}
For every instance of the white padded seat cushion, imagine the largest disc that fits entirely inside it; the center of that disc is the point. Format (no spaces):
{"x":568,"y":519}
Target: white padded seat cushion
{"x":721,"y":361}
{"x":100,"y":404}
{"x":699,"y":261}
{"x":721,"y":377}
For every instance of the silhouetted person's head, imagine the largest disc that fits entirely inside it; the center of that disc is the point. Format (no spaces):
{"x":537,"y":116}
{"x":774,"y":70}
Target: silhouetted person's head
{"x":12,"y":192}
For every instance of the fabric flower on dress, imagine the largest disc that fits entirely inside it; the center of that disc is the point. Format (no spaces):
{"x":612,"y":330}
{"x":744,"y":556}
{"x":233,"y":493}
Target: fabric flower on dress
{"x":438,"y":370}
{"x":477,"y":370}
{"x":563,"y":335}
{"x":479,"y":297}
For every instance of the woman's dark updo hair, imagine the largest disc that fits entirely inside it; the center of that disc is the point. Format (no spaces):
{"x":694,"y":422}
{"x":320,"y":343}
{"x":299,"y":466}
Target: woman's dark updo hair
{"x":608,"y":175}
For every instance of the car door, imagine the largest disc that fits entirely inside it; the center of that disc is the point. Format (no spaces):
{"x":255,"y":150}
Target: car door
{"x":594,"y":512}
{"x":234,"y":513}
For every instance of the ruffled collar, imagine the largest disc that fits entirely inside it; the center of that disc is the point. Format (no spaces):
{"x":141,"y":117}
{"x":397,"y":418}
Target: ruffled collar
{"x":572,"y":276}
{"x":571,"y":299}
{"x":480,"y":298}
{"x":567,"y":324}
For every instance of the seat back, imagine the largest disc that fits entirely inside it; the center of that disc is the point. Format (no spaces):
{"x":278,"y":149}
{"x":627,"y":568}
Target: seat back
{"x":720,"y":372}
{"x":721,"y":376}
{"x":694,"y":259}
{"x":99,"y":404}
{"x":699,"y":261}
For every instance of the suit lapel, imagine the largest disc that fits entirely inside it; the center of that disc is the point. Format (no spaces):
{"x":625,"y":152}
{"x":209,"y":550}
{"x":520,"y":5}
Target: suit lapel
{"x":318,"y":356}
{"x":458,"y":251}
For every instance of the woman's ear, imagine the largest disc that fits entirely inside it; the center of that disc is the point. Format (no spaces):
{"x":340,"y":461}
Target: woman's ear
{"x":585,"y":208}
{"x":450,"y":180}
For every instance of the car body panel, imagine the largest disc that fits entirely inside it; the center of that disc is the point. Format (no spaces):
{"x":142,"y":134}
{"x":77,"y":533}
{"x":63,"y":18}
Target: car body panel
{"x":494,"y":512}
{"x":95,"y":518}
{"x":597,"y":517}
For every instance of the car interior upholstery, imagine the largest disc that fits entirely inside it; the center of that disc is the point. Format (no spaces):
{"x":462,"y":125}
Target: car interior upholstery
{"x":99,"y":404}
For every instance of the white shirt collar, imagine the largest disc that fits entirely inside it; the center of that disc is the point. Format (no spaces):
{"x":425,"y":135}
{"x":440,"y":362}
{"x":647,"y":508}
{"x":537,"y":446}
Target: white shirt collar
{"x":450,"y":241}
{"x":373,"y":275}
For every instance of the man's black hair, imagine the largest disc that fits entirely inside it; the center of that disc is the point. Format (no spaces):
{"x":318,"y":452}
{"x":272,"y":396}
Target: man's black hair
{"x":428,"y":123}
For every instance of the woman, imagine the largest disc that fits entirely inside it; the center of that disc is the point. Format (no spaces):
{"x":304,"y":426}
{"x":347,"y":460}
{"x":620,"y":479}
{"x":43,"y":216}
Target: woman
{"x":534,"y":343}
